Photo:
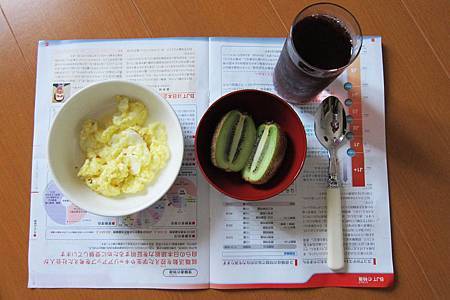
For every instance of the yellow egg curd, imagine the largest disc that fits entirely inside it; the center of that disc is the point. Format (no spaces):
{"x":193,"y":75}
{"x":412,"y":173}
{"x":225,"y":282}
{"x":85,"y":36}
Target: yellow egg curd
{"x":122,"y":154}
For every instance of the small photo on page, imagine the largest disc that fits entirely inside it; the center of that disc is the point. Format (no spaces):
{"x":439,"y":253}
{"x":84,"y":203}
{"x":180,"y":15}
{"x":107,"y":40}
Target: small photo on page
{"x":61,"y":92}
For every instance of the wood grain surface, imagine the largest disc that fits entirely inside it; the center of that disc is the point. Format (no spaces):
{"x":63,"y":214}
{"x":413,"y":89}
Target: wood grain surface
{"x":416,"y":53}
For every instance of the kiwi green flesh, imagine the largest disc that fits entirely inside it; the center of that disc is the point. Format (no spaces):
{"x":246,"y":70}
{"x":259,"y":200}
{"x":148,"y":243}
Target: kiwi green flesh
{"x":236,"y":137}
{"x":265,"y":155}
{"x":245,"y":141}
{"x":223,"y":138}
{"x":261,"y":149}
{"x":233,"y":141}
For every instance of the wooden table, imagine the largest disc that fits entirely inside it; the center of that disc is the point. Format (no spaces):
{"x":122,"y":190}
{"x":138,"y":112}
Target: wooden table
{"x":416,"y":49}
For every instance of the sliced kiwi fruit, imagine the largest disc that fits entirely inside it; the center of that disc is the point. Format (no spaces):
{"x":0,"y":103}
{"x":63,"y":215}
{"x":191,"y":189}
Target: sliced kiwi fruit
{"x":233,"y":140}
{"x":267,"y":154}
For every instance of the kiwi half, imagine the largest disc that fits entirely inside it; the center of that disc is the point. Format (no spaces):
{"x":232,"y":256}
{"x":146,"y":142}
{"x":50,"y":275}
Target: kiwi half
{"x":267,"y":154}
{"x":233,"y":140}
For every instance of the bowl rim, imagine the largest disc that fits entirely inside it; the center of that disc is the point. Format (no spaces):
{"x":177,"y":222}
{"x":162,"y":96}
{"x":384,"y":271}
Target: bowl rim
{"x":276,"y":190}
{"x":123,"y":212}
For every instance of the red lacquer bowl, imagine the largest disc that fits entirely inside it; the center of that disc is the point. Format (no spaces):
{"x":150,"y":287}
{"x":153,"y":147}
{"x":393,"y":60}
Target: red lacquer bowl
{"x":262,"y":106}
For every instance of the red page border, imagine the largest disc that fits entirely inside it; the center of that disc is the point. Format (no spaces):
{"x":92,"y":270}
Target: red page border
{"x":364,"y":280}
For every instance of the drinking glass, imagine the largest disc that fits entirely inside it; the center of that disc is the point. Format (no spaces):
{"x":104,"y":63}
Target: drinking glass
{"x":315,"y":51}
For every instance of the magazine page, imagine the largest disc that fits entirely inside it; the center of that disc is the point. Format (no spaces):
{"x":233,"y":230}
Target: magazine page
{"x":164,"y":246}
{"x":282,"y":241}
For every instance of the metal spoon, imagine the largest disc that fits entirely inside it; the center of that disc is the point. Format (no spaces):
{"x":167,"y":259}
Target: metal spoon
{"x":330,"y":126}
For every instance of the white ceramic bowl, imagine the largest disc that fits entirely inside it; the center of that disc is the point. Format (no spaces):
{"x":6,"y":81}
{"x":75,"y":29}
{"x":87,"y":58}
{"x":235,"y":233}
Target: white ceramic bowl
{"x":64,"y":153}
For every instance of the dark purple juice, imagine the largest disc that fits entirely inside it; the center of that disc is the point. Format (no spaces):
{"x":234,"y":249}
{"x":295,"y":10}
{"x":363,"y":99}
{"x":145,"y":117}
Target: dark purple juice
{"x":315,"y":55}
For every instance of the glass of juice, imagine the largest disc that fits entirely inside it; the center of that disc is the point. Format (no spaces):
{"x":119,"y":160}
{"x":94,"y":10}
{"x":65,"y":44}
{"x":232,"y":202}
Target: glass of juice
{"x":324,"y":39}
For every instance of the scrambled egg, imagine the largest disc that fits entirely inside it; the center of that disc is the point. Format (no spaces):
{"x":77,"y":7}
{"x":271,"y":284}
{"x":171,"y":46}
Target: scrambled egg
{"x":123,"y":155}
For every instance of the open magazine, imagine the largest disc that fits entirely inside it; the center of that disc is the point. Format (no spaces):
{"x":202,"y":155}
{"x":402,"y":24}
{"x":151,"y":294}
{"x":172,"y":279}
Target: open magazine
{"x":195,"y":237}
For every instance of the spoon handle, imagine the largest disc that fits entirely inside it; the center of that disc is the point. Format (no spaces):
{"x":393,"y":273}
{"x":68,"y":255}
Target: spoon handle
{"x":334,"y":229}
